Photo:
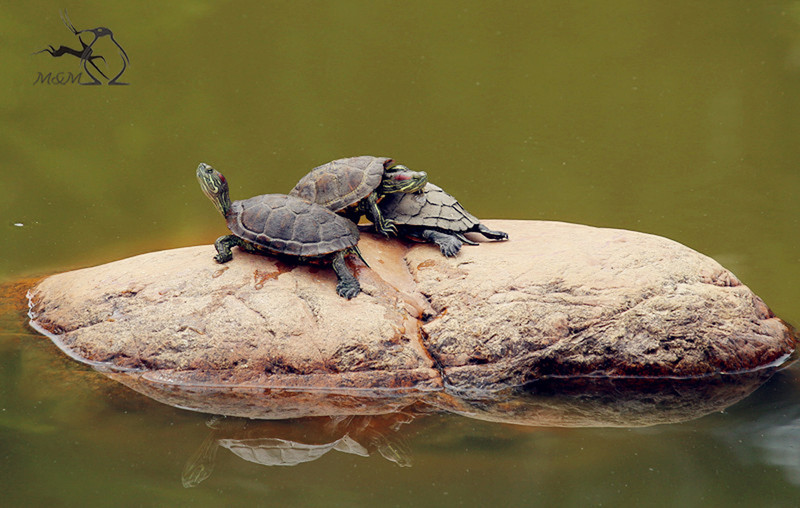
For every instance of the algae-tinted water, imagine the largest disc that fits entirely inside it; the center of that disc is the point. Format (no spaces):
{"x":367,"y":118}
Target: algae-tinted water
{"x":678,"y":119}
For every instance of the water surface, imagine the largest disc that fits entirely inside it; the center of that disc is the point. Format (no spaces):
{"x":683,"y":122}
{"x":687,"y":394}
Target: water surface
{"x":675,"y":119}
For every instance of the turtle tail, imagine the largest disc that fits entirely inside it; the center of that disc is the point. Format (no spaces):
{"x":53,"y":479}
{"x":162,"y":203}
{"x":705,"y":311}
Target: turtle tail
{"x":357,"y":252}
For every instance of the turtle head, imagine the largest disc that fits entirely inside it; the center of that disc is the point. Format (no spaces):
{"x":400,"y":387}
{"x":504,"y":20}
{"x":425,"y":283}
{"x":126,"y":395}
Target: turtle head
{"x":399,"y":178}
{"x":215,"y":187}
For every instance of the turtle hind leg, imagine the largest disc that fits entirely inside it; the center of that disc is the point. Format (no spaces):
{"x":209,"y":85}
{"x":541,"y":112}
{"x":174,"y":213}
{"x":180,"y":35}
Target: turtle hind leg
{"x":224,"y":245}
{"x":492,"y":235}
{"x":449,"y":244}
{"x":348,"y":286}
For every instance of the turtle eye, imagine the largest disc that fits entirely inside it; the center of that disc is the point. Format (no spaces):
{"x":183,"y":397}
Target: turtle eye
{"x":396,"y":168}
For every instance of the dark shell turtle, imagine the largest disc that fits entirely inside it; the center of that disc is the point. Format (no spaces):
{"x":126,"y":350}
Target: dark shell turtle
{"x":435,"y":216}
{"x":285,"y":225}
{"x":353,"y":186}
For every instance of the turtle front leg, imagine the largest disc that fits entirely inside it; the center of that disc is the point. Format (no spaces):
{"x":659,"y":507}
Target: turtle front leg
{"x":348,"y":286}
{"x":492,"y":235}
{"x":450,"y":245}
{"x":224,"y":245}
{"x":383,"y":225}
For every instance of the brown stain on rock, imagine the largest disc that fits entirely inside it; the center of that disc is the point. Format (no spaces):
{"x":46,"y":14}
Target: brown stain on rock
{"x":261,"y":277}
{"x":428,"y":263}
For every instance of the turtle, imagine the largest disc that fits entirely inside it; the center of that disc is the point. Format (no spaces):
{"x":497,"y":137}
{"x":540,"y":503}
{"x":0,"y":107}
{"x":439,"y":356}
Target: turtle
{"x":353,"y":187}
{"x":283,"y":225}
{"x":435,"y":216}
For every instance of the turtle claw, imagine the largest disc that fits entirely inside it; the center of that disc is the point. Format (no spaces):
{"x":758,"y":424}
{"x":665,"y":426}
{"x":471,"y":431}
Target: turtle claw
{"x":223,"y":246}
{"x":347,"y":285}
{"x":348,"y":288}
{"x":386,"y":228}
{"x":223,"y":255}
{"x":449,"y":246}
{"x":449,"y":243}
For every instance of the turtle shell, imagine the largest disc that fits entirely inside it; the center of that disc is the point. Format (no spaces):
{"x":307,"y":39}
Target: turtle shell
{"x":342,"y":182}
{"x":432,"y":208}
{"x":289,"y":225}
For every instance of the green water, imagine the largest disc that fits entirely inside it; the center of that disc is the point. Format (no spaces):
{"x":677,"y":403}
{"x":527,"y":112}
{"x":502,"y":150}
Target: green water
{"x":674,"y":118}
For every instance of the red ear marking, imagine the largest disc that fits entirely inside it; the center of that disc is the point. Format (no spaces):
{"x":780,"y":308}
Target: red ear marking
{"x":402,"y":177}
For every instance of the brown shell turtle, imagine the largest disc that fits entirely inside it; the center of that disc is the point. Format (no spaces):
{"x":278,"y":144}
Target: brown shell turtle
{"x":435,"y":216}
{"x":353,"y":187}
{"x":283,"y":225}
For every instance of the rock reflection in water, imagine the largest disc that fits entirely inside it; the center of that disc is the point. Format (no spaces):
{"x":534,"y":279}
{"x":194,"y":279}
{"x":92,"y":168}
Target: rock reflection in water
{"x":610,"y":402}
{"x":549,"y":402}
{"x":575,"y":402}
{"x":282,"y":443}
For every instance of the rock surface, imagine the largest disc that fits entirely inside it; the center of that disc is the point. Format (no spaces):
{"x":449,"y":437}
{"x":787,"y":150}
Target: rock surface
{"x":555,"y":300}
{"x":565,"y":300}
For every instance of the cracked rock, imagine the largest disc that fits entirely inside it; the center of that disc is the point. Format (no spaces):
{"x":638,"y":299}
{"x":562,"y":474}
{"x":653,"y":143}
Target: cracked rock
{"x":556,"y":300}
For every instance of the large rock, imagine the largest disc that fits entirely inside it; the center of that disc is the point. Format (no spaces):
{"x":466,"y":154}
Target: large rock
{"x":254,"y":320}
{"x":565,"y":300}
{"x":555,"y":300}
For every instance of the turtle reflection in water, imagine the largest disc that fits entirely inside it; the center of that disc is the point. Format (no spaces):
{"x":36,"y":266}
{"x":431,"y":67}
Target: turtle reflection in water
{"x":435,"y":216}
{"x":273,"y":443}
{"x":283,"y":225}
{"x":353,"y":187}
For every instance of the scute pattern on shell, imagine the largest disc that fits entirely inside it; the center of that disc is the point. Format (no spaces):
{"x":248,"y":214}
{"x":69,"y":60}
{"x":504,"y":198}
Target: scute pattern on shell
{"x":342,"y":182}
{"x":432,"y":207}
{"x":289,"y":225}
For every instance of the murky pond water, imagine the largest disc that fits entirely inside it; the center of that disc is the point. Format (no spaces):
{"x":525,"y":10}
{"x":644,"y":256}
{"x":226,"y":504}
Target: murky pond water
{"x":678,"y":119}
